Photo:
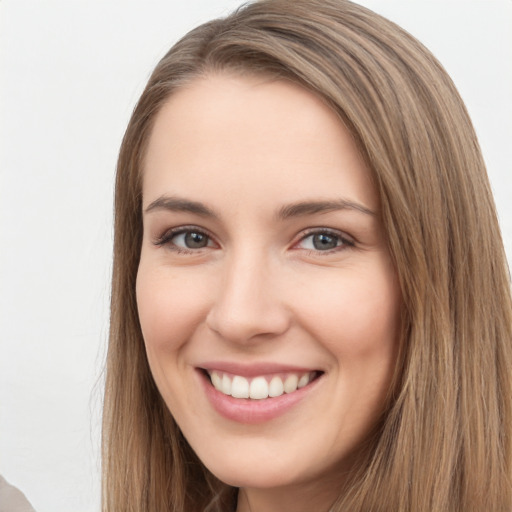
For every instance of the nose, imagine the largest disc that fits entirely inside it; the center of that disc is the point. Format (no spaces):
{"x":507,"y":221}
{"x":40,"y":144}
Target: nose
{"x":249,"y":303}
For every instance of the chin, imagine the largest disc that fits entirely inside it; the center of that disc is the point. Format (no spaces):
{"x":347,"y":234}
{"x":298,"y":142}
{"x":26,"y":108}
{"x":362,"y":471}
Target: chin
{"x":255,"y":477}
{"x":262,"y":472}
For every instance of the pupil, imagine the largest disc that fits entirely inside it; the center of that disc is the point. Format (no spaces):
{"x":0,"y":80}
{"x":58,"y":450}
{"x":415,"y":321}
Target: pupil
{"x":194,"y":240}
{"x":324,"y":242}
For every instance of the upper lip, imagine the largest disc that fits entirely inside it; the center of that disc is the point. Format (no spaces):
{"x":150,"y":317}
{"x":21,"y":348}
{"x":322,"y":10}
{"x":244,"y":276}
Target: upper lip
{"x":253,"y":369}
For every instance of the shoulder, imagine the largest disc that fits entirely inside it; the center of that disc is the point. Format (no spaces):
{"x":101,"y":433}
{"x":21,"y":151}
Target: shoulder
{"x":12,"y":499}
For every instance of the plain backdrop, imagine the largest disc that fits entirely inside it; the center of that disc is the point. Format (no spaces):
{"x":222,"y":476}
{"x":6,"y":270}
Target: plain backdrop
{"x":71,"y":72}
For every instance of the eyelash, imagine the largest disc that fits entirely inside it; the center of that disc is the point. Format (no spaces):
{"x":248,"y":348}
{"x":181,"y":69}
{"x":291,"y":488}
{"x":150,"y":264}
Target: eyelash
{"x":344,"y":241}
{"x":166,"y":240}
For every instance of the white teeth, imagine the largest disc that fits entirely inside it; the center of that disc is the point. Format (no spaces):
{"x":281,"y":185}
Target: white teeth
{"x":216,"y":381}
{"x":276,"y":387}
{"x":290,"y":384}
{"x":226,"y":385}
{"x":258,"y":388}
{"x":304,"y":380}
{"x":239,"y":387}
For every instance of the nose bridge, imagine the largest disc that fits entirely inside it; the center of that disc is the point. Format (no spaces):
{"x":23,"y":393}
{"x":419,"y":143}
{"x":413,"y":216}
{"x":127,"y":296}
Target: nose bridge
{"x":248,"y":303}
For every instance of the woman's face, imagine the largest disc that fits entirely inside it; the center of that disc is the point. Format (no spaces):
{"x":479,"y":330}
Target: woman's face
{"x":268,"y":302}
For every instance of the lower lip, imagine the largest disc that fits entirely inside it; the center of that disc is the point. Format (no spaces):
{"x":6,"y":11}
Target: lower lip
{"x":246,"y":410}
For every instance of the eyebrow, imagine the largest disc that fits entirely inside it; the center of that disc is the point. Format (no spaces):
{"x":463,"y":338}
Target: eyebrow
{"x":311,"y":207}
{"x":299,"y":209}
{"x":177,"y":204}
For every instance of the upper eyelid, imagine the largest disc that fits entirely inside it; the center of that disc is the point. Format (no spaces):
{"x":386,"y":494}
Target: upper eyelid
{"x":168,"y":234}
{"x":347,"y":242}
{"x":312,"y":231}
{"x":303,"y":234}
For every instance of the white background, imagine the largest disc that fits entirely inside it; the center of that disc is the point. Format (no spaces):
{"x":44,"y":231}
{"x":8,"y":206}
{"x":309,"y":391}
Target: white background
{"x":71,"y":72}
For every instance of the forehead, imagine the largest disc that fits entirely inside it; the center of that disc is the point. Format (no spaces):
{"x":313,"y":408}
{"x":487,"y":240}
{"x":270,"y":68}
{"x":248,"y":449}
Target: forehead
{"x":224,"y":134}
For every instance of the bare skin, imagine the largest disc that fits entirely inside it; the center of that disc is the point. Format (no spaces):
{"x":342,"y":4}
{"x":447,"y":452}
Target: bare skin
{"x":263,"y":251}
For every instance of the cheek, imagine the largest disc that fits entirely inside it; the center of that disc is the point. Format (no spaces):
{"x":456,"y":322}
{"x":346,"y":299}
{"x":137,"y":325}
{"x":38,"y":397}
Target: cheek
{"x":170,"y":307}
{"x":358,"y":323}
{"x":357,"y":317}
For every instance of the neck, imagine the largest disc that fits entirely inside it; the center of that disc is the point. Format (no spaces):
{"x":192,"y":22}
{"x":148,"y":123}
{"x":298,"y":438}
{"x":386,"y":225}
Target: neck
{"x":299,"y":498}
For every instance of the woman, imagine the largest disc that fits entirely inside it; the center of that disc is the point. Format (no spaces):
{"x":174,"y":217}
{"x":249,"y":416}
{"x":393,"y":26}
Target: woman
{"x":311,"y":305}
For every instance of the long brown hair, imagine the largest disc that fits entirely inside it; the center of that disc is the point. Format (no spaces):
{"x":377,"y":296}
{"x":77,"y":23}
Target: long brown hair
{"x":445,"y":442}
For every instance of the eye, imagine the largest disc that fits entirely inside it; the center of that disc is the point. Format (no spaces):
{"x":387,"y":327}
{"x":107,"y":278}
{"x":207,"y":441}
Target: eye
{"x":191,"y":240}
{"x":185,"y":239}
{"x":324,"y":241}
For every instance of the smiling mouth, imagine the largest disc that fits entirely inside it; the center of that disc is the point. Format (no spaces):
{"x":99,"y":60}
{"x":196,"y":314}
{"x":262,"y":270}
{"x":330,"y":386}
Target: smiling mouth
{"x":260,"y":387}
